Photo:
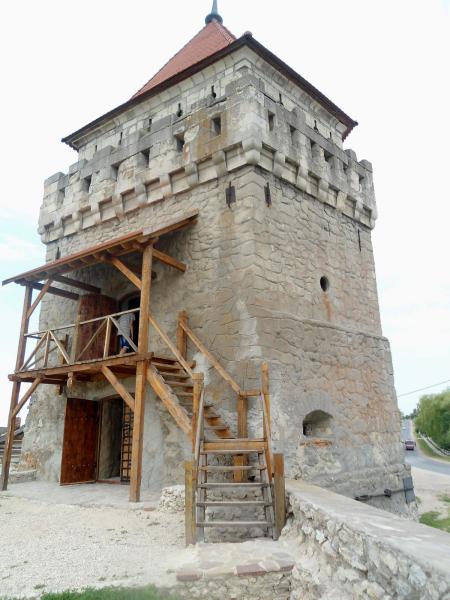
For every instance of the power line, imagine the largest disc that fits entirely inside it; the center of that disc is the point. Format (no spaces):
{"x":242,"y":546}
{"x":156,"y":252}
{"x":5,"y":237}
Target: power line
{"x":424,"y":388}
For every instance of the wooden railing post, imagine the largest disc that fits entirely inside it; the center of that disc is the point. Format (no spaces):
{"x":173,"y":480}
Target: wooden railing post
{"x":190,"y":471}
{"x":181,"y":334}
{"x":16,"y":387}
{"x":198,"y":379}
{"x":242,"y":432}
{"x":279,"y":489}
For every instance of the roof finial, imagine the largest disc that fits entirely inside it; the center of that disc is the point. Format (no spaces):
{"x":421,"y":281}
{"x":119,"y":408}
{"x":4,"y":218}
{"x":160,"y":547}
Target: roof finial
{"x":214,"y":14}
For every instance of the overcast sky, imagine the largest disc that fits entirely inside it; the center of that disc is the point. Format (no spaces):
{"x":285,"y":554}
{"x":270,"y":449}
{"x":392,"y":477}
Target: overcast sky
{"x":384,"y":62}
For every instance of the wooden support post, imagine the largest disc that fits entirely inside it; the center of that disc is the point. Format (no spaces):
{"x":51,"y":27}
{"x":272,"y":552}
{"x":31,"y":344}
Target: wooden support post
{"x":16,"y":388}
{"x":141,"y":377}
{"x":279,"y":489}
{"x":242,"y":429}
{"x":198,"y":386}
{"x":190,"y":471}
{"x":181,"y":334}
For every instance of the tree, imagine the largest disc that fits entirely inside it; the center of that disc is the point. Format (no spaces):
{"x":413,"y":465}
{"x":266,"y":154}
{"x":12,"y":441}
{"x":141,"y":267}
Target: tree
{"x":433,"y":418}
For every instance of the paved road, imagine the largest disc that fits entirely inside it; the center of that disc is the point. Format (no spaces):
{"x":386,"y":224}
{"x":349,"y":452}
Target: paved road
{"x":418,"y":459}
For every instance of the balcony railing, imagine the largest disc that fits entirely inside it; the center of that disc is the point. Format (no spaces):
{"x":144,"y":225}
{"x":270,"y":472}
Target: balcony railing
{"x":59,"y":346}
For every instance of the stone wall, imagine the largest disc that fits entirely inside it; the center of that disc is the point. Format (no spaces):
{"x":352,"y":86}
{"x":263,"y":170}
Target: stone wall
{"x":346,"y":549}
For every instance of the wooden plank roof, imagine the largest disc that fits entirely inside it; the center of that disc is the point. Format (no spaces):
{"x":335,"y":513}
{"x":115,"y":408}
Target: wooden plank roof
{"x":98,"y":253}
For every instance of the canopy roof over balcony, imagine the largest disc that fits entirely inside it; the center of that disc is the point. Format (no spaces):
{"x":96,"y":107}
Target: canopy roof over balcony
{"x":106,"y":252}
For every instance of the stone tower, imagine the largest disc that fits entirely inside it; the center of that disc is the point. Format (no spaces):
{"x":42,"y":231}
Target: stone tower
{"x":279,"y":262}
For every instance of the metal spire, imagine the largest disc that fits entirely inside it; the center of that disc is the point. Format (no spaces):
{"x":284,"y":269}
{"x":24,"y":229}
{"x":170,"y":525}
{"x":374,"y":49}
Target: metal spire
{"x":214,"y":14}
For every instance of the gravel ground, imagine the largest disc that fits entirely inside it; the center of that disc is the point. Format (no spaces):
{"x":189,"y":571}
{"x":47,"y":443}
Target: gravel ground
{"x":429,"y":487}
{"x":54,"y":539}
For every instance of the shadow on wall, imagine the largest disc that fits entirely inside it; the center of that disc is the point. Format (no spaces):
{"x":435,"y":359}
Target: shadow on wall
{"x":317,"y":424}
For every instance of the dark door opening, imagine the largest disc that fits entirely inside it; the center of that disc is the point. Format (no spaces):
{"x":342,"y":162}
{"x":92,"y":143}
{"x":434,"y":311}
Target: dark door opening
{"x":79,"y":453}
{"x":115,"y":443}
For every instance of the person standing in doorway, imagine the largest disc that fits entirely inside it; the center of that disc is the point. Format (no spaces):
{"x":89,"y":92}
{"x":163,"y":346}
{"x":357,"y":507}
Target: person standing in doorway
{"x":126,"y":323}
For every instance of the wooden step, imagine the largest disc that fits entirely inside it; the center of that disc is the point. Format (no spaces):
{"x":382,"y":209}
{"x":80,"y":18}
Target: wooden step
{"x":216,"y":427}
{"x":234,"y":524}
{"x":236,"y":503}
{"x":232,"y":445}
{"x":169,"y":368}
{"x":181,"y":375}
{"x":179,"y":384}
{"x":229,"y":451}
{"x":184,"y":394}
{"x":234,"y":485}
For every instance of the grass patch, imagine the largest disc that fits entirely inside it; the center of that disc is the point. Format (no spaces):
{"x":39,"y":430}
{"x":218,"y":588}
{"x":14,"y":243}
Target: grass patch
{"x":433,"y":519}
{"x":444,"y":498}
{"x":428,"y":451}
{"x":147,"y":593}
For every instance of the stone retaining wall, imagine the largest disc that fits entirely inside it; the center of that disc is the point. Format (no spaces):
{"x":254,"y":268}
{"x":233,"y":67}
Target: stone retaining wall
{"x":346,"y":549}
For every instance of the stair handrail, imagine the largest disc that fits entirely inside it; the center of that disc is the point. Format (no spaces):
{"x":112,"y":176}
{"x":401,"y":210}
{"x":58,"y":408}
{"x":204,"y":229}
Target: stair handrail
{"x":209,"y":357}
{"x":163,"y":335}
{"x":267,"y":436}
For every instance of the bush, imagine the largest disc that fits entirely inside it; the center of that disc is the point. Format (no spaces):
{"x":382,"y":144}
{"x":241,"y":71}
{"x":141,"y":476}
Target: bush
{"x":433,"y":418}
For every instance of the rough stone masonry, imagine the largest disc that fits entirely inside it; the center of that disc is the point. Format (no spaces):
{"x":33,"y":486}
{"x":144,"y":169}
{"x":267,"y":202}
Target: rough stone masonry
{"x":285,"y":273}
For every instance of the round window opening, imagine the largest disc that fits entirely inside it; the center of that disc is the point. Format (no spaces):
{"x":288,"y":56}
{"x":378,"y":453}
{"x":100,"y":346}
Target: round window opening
{"x":324,"y":283}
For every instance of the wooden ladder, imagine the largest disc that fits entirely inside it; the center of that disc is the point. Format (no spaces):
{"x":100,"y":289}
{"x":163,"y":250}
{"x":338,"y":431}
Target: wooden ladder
{"x":213,"y":478}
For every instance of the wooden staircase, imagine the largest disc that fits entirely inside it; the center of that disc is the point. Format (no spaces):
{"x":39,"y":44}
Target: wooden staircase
{"x":231,"y":482}
{"x":250,"y":494}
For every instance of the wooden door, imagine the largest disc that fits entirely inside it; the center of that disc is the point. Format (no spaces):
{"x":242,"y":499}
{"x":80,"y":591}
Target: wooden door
{"x":80,"y":446}
{"x":92,"y":306}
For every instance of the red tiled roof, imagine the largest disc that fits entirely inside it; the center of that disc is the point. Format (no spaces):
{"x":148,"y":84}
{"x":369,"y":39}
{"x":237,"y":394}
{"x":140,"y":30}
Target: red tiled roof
{"x":212,"y":38}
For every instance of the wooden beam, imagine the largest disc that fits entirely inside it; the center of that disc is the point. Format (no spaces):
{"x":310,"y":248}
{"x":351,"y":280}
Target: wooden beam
{"x":92,"y":340}
{"x":242,"y":431}
{"x":181,"y":334}
{"x":94,"y":365}
{"x":169,"y":399}
{"x":26,"y":397}
{"x":39,"y":297}
{"x":169,"y":260}
{"x":190,"y":484}
{"x":141,"y":376}
{"x":54,"y":291}
{"x":60,"y":347}
{"x":210,"y":358}
{"x":129,"y":274}
{"x":77,"y":284}
{"x":163,"y":335}
{"x":119,"y":387}
{"x":279,"y":489}
{"x":198,"y":379}
{"x":15,"y":389}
